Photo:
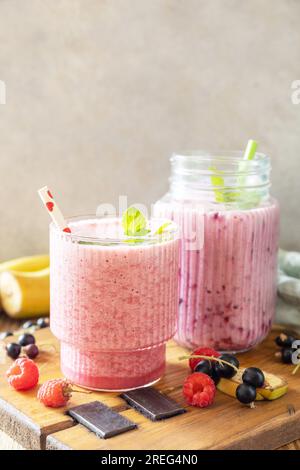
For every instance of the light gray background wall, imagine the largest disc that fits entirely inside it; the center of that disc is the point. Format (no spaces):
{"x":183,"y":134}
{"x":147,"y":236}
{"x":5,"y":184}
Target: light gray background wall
{"x":99,"y":93}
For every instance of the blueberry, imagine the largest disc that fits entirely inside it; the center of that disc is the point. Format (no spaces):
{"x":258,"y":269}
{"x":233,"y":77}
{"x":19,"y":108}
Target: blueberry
{"x":13,"y":350}
{"x":246,"y":393}
{"x":43,"y":322}
{"x":5,"y":334}
{"x":224,"y":370}
{"x":253,"y":376}
{"x":26,"y":339}
{"x":28,"y":324}
{"x":31,"y":351}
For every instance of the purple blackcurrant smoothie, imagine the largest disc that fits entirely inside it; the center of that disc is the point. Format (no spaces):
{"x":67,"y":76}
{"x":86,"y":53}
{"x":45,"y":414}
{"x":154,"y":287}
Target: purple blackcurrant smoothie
{"x":230,"y":228}
{"x":228,"y":288}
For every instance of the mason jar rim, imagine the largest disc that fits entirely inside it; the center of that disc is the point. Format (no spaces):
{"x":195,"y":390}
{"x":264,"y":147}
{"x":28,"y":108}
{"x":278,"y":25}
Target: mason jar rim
{"x":220,"y":176}
{"x":202,"y":154}
{"x":125,"y":241}
{"x":229,"y":163}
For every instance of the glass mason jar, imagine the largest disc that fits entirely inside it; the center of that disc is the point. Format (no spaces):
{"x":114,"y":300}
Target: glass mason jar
{"x":230,"y":227}
{"x":113,"y":302}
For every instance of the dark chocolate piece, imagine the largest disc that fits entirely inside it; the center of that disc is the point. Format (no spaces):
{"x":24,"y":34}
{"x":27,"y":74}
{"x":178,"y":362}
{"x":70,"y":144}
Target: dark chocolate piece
{"x":101,"y":419}
{"x":152,"y":404}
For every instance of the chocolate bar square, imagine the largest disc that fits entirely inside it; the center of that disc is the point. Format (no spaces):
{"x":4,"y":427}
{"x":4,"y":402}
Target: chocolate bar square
{"x":152,"y":403}
{"x":101,"y":419}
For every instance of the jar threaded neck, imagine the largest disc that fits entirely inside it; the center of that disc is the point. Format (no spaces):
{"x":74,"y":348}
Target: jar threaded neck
{"x":220,"y":177}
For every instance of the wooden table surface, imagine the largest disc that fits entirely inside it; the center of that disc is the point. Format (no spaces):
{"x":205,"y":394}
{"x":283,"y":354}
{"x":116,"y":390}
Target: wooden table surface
{"x":8,"y":324}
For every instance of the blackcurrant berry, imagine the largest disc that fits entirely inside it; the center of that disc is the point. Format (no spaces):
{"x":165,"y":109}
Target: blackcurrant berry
{"x":224,"y":370}
{"x":31,"y":351}
{"x":26,"y":339}
{"x":13,"y":350}
{"x":253,"y":376}
{"x":5,"y":334}
{"x":287,"y":355}
{"x":203,"y":366}
{"x":246,"y":393}
{"x":28,"y":324}
{"x":43,"y":322}
{"x":284,"y":340}
{"x":208,"y":367}
{"x":214,"y":374}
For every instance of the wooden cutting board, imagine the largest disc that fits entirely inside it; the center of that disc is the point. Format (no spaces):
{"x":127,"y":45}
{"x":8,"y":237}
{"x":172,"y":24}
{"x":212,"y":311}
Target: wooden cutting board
{"x":225,"y":425}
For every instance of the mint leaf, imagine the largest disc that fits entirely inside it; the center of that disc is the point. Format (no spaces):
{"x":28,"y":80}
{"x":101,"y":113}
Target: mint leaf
{"x":162,"y":228}
{"x":243,"y":199}
{"x":217,"y":182}
{"x":134,"y":223}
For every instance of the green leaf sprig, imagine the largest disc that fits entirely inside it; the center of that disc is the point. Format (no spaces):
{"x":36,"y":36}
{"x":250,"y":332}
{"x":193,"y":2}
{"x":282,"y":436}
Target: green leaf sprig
{"x":218,"y":184}
{"x":136,"y":228}
{"x":162,"y":228}
{"x":135,"y":225}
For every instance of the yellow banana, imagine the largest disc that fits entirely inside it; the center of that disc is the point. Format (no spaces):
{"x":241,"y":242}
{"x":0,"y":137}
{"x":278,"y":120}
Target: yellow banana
{"x":24,"y":286}
{"x":274,"y":386}
{"x":26,"y":263}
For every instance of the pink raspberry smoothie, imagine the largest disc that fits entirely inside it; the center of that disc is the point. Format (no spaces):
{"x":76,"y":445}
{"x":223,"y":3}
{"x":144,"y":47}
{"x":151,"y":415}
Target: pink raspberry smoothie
{"x":113,"y":303}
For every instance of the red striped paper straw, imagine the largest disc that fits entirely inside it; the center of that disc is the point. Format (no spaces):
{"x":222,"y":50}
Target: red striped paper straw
{"x":53,"y":209}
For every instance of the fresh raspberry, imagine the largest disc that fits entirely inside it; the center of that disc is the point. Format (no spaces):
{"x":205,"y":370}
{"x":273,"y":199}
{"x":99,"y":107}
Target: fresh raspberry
{"x":202,"y":352}
{"x":199,"y":390}
{"x":23,"y":374}
{"x":55,"y":393}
